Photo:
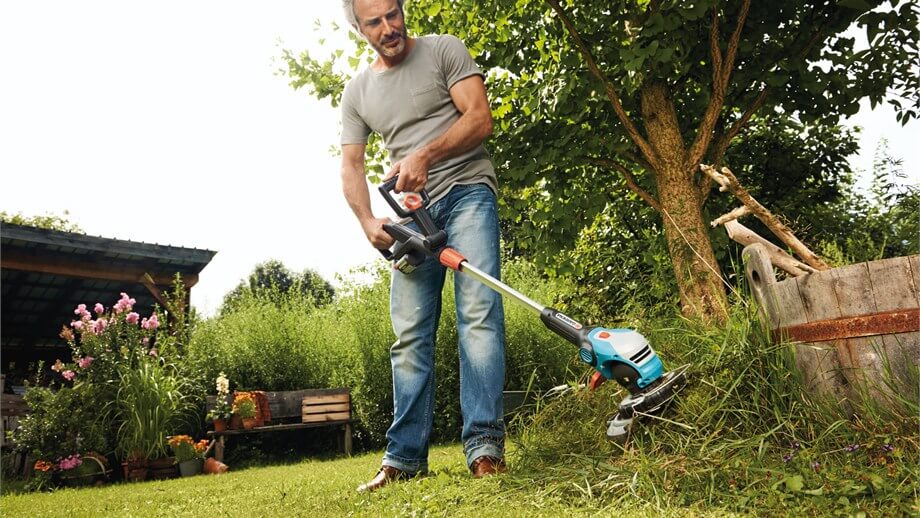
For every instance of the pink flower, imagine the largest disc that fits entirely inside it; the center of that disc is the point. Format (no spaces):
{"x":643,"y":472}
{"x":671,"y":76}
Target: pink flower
{"x":69,"y":375}
{"x":98,"y":308}
{"x":70,"y":462}
{"x":146,"y":340}
{"x":150,"y":323}
{"x":81,"y":310}
{"x":77,"y":324}
{"x":153,"y":352}
{"x":132,"y":318}
{"x":85,"y":362}
{"x":125,"y":303}
{"x":99,"y":326}
{"x":58,"y":366}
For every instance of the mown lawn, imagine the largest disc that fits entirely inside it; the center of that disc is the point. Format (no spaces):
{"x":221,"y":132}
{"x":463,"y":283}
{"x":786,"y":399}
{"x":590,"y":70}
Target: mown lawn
{"x":323,"y":488}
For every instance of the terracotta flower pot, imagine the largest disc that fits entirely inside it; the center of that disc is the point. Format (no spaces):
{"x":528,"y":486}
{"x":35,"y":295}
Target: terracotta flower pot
{"x":214,"y":467}
{"x":220,"y":425}
{"x":249,"y":423}
{"x":236,"y":422}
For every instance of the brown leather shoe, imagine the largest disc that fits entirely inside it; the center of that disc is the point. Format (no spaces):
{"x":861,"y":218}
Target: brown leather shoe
{"x":386,"y":475}
{"x":486,"y":466}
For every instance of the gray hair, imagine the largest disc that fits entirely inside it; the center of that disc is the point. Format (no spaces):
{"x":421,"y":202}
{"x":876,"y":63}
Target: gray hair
{"x":349,"y":7}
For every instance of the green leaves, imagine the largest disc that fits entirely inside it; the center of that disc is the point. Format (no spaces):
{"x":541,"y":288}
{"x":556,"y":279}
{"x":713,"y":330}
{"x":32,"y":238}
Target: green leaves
{"x":859,"y":5}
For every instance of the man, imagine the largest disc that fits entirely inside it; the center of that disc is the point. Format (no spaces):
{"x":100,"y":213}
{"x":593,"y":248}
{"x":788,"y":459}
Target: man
{"x":426,"y":98}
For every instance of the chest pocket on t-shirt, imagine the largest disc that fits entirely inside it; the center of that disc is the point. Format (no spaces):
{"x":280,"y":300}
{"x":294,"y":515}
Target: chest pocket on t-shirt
{"x":426,"y":99}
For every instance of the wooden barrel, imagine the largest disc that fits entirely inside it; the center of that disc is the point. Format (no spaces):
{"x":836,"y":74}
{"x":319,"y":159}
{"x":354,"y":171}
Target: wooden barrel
{"x":856,"y":329}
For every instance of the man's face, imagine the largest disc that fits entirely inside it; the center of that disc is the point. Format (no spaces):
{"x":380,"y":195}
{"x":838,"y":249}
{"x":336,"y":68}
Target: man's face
{"x":382,"y":25}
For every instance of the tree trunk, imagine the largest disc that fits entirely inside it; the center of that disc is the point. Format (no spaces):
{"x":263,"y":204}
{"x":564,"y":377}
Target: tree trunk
{"x":698,"y":276}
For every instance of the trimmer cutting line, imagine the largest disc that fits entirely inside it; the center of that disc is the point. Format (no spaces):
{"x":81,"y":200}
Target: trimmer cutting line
{"x":620,"y":354}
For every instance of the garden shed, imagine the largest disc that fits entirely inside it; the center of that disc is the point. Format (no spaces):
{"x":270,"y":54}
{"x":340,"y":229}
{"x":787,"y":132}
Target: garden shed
{"x":47,"y":273}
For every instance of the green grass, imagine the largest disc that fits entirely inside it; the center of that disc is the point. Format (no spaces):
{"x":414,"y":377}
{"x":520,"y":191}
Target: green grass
{"x":607,"y":482}
{"x":745,"y":438}
{"x":319,"y":488}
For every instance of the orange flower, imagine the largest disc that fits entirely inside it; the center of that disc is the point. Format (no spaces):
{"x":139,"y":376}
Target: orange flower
{"x":177,"y":440}
{"x":43,"y":465}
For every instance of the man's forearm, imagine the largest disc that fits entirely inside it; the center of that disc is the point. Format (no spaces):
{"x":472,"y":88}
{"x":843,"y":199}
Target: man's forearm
{"x":465,"y":134}
{"x":354,"y":186}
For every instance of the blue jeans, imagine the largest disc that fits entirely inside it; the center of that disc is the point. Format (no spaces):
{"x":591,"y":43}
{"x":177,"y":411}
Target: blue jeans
{"x":468,"y":214}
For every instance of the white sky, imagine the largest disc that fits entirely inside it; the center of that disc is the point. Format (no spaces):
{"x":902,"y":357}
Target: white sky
{"x":164,"y":122}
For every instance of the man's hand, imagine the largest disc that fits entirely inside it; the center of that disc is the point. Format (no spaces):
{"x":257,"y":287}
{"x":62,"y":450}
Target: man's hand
{"x":412,"y":171}
{"x":378,"y":237}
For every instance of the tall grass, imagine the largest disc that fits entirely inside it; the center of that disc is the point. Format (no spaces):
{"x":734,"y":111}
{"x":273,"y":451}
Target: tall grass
{"x":743,"y":434}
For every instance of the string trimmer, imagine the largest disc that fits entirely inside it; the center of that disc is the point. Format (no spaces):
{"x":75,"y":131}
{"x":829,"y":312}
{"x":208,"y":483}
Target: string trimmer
{"x":623,"y":355}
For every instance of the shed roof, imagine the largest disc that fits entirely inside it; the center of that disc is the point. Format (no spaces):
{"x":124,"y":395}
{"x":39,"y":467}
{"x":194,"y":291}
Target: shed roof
{"x":45,"y":274}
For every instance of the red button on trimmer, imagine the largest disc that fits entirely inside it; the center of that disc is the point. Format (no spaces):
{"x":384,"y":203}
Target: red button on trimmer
{"x":603,"y":334}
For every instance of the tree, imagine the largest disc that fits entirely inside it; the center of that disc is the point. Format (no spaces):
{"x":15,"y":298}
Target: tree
{"x":594,"y":99}
{"x":272,"y":280}
{"x":48,"y":221}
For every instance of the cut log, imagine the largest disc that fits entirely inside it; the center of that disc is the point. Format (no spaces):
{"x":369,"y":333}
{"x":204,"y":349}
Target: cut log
{"x":741,"y":234}
{"x":731,"y":216}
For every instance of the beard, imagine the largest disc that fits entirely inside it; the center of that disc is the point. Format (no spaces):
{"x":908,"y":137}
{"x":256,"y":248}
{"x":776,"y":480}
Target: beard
{"x":383,"y":46}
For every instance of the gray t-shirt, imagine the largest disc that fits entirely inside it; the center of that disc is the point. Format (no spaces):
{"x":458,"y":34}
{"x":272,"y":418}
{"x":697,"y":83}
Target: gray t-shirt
{"x":409,"y":105}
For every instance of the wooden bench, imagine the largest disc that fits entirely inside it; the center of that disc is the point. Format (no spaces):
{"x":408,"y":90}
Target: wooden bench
{"x":297,"y":410}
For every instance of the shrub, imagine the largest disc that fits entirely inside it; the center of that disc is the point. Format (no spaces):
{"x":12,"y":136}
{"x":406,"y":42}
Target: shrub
{"x":60,"y":423}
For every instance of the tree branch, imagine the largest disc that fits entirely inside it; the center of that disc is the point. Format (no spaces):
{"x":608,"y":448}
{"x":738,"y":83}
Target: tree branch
{"x":722,"y":143}
{"x":609,"y":89}
{"x":714,"y":49}
{"x":721,"y":76}
{"x":630,"y":180}
{"x":728,"y":182}
{"x":729,"y":63}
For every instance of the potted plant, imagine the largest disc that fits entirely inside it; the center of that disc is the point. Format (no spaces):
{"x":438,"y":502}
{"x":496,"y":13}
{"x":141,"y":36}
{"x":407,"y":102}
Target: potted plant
{"x":222,"y":411}
{"x":244,"y":405}
{"x":189,"y":454}
{"x":151,"y":403}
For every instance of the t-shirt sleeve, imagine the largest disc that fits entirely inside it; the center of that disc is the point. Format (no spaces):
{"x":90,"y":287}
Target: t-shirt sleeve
{"x":354,"y":129}
{"x":456,"y":62}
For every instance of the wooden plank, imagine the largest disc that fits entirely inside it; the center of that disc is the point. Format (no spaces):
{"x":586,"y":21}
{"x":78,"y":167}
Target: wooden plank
{"x":818,"y":361}
{"x":915,"y":273}
{"x":761,"y":280}
{"x":893,"y":284}
{"x":320,"y":409}
{"x":311,"y":418}
{"x":854,"y":290}
{"x":788,"y":303}
{"x":893,"y":287}
{"x":326,"y":400}
{"x":819,"y":298}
